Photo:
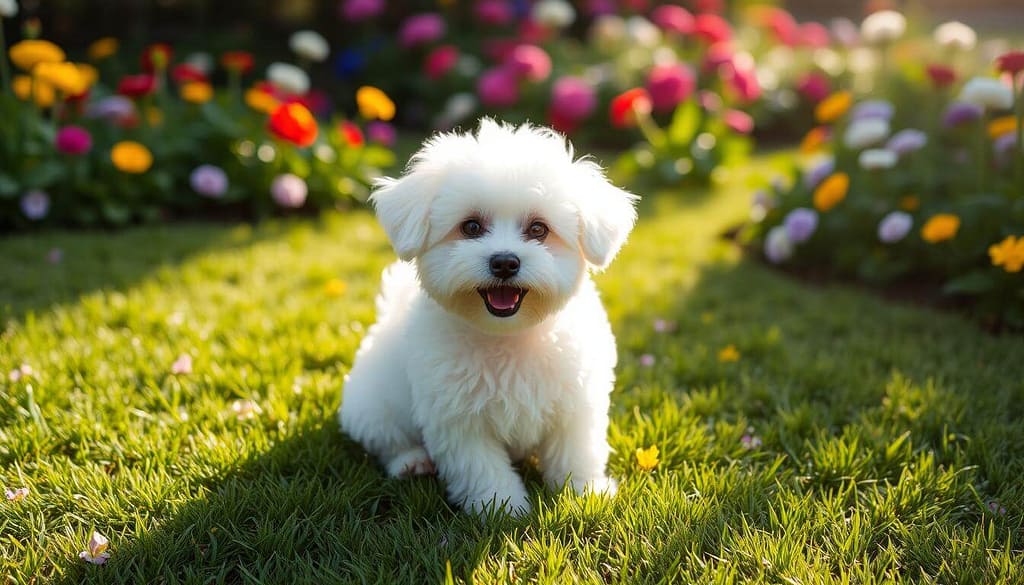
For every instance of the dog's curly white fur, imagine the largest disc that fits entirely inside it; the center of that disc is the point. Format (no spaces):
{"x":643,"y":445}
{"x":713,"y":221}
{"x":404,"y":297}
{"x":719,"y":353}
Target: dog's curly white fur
{"x":471,"y":367}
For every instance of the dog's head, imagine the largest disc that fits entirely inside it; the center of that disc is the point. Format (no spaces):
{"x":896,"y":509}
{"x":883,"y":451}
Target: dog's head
{"x":503,"y":223}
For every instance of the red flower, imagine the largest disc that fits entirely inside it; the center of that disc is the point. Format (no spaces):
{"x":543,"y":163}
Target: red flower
{"x":941,"y":75}
{"x":626,"y":106}
{"x":351,"y":133}
{"x":440,"y":61}
{"x":137,"y":85}
{"x":1012,"y":62}
{"x":238,"y":61}
{"x":184,"y":73}
{"x":294,"y":122}
{"x":157,"y":57}
{"x":712,"y":28}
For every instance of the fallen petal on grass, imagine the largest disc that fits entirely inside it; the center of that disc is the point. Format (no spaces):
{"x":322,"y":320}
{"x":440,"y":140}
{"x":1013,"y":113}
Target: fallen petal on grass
{"x":97,"y":553}
{"x":182,"y":366}
{"x":16,"y":495}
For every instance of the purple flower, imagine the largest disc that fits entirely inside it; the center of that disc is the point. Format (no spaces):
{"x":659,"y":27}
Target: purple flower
{"x":818,"y":173}
{"x":114,"y":108}
{"x":289,"y":190}
{"x":996,"y":508}
{"x":894,"y":226}
{"x":907,"y":141}
{"x":777,"y":245}
{"x":881,"y":109}
{"x":1002,"y":146}
{"x":381,"y":133}
{"x":209,"y":181}
{"x":421,"y":29}
{"x":647,"y":360}
{"x":800,"y":224}
{"x":35,"y":204}
{"x":750,"y":441}
{"x":959,"y":113}
{"x":73,"y":140}
{"x":360,"y":10}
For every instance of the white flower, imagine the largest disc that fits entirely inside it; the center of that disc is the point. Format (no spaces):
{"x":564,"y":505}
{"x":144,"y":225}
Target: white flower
{"x":777,"y":246}
{"x":288,"y":78}
{"x":201,"y":61}
{"x":955,"y":35}
{"x":642,"y":32}
{"x":35,"y":204}
{"x":863,"y":133}
{"x":553,"y":13}
{"x":309,"y":44}
{"x":894,"y":226}
{"x":987,"y":93}
{"x":883,"y":26}
{"x":608,"y":31}
{"x":458,"y":107}
{"x":8,"y":8}
{"x":877,"y":158}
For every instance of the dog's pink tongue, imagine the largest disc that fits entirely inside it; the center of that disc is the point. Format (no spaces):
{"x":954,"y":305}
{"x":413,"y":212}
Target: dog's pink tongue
{"x":503,"y":297}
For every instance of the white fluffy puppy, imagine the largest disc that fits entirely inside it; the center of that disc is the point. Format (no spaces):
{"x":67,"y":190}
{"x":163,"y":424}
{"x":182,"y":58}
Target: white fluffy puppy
{"x":491,"y":343}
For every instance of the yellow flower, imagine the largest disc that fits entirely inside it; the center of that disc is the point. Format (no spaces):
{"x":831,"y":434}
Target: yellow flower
{"x":940,"y":228}
{"x":131,"y":157}
{"x":833,"y":107}
{"x":647,"y":458}
{"x":1009,"y":254}
{"x":261,"y":100}
{"x":103,"y":48}
{"x":44,"y":94}
{"x":197,"y":92}
{"x":335,"y":287}
{"x":814,"y":140}
{"x":374,"y":104}
{"x":729,"y":353}
{"x":910,"y":203}
{"x":27,"y":54}
{"x":89,"y":74}
{"x":831,"y":191}
{"x":64,"y":77}
{"x":1000,"y":126}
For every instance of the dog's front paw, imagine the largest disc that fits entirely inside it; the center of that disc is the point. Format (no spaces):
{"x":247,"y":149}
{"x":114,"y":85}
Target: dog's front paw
{"x":603,"y":486}
{"x":415,"y":461}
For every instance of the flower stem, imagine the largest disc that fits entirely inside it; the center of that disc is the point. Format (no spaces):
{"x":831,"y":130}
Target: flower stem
{"x":1018,"y":161}
{"x":5,"y":73}
{"x":982,"y":158}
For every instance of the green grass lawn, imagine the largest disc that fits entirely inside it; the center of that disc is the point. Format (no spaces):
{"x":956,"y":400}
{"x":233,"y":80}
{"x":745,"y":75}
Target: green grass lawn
{"x":853,"y":441}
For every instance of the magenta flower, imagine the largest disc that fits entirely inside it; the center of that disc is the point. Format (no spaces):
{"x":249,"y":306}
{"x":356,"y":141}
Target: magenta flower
{"x":35,"y":204}
{"x":673,"y":19}
{"x":959,"y":113}
{"x":800,"y":224}
{"x":73,"y":140}
{"x":209,"y":181}
{"x":741,"y":78}
{"x":361,"y":10}
{"x":529,"y":62}
{"x":440,"y":61}
{"x":814,"y":87}
{"x":498,"y":87}
{"x":739,"y":121}
{"x":381,"y":133}
{"x":421,"y":29}
{"x":573,"y":98}
{"x":289,"y":190}
{"x":670,"y":85}
{"x":894,"y":227}
{"x":493,"y":12}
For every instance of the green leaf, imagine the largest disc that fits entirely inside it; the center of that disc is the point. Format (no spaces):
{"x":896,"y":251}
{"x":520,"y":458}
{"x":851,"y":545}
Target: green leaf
{"x":8,"y":186}
{"x":973,"y":283}
{"x":685,"y":123}
{"x":44,"y":175}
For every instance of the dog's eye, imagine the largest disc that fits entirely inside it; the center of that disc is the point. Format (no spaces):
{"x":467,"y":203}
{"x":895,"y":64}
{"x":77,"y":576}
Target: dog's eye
{"x":471,"y":228}
{"x":537,"y":231}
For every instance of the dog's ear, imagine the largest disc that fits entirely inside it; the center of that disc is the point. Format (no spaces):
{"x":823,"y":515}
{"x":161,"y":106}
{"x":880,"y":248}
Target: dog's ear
{"x":403,"y":208}
{"x":607,"y":215}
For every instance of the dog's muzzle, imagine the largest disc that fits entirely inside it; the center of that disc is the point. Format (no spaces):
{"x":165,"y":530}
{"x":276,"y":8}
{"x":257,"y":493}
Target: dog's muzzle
{"x":503,"y":301}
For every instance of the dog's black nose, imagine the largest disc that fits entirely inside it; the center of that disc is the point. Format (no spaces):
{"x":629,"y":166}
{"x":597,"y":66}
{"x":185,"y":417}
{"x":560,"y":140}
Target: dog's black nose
{"x":504,"y":265}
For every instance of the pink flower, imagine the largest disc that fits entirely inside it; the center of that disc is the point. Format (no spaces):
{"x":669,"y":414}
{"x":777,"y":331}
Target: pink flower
{"x":814,"y":87}
{"x":493,"y":12}
{"x":673,"y":19}
{"x":97,"y":553}
{"x":182,"y":366}
{"x":381,"y":133}
{"x":16,"y":495}
{"x":289,"y":190}
{"x":712,"y":28}
{"x":741,"y":78}
{"x":782,"y":25}
{"x":739,"y":121}
{"x":647,"y":360}
{"x":530,"y":62}
{"x":498,"y":87}
{"x":421,"y":29}
{"x":709,"y":100}
{"x":572,"y":100}
{"x":814,"y":35}
{"x":716,"y":56}
{"x":669,"y":85}
{"x":73,"y":140}
{"x":360,"y":10}
{"x":440,"y":61}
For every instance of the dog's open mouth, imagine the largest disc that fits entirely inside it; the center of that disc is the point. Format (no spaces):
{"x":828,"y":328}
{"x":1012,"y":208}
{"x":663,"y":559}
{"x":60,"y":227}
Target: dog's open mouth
{"x":503,"y":301}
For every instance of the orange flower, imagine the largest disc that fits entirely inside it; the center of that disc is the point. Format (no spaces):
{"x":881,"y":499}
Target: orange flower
{"x":197,"y":92}
{"x":814,"y":140}
{"x":628,"y":105}
{"x":833,"y":107}
{"x":1000,"y":126}
{"x":261,"y":100}
{"x":940,"y":228}
{"x":351,"y":133}
{"x":239,"y":61}
{"x":1008,"y":253}
{"x":44,"y":93}
{"x":294,"y":123}
{"x":131,"y":157}
{"x":103,"y":48}
{"x":374,"y":104}
{"x":831,"y":191}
